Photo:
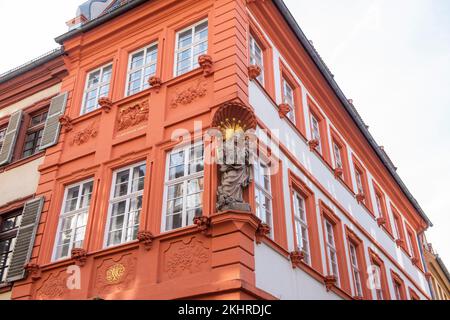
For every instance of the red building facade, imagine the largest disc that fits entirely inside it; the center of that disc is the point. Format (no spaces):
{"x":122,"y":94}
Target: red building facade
{"x":121,"y":187}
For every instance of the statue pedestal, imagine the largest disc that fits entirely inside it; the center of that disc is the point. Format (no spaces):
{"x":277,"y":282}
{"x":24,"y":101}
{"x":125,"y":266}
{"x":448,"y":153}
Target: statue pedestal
{"x":242,"y":207}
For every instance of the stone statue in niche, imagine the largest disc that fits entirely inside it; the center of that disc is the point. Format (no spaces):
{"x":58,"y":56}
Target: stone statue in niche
{"x":236,"y":173}
{"x":237,"y":147}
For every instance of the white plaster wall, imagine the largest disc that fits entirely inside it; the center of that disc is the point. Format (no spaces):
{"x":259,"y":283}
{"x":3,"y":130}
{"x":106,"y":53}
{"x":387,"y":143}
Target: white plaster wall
{"x":19,"y":182}
{"x":28,"y":101}
{"x":297,"y":146}
{"x":275,"y":275}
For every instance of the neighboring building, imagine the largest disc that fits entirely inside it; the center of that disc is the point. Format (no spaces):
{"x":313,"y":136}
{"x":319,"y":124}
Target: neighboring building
{"x":120,"y":192}
{"x":438,"y":274}
{"x":25,"y":96}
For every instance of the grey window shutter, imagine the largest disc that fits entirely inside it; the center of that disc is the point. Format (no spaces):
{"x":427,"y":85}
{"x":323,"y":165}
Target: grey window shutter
{"x":52,"y":126}
{"x":10,"y":138}
{"x":25,"y":239}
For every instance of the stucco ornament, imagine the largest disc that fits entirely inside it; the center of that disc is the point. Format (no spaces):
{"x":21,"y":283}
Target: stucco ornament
{"x":235,"y":121}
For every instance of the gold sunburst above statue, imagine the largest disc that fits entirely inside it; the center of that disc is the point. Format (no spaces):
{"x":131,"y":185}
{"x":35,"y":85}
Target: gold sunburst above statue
{"x":234,"y":118}
{"x":231,"y":127}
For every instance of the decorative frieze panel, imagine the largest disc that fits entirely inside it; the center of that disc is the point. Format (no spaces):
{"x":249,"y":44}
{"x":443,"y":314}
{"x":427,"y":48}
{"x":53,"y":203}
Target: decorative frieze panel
{"x":54,"y":287}
{"x":115,"y":274}
{"x":185,"y":257}
{"x":84,"y":135}
{"x":132,"y":115}
{"x":187,"y":95}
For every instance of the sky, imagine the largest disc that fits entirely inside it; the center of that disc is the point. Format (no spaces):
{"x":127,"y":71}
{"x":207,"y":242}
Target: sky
{"x":391,"y":57}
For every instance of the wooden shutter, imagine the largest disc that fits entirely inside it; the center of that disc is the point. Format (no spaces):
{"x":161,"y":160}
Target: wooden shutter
{"x":10,"y":138}
{"x":52,"y":126}
{"x":25,"y":239}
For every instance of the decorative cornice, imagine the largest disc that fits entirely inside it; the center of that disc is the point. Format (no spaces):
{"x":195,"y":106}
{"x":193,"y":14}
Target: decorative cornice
{"x":313,"y":144}
{"x":80,"y":256}
{"x":146,"y":239}
{"x":203,"y":224}
{"x":338,"y":173}
{"x":360,"y":197}
{"x":330,"y":282}
{"x":206,"y":63}
{"x":34,"y":271}
{"x":262,"y":232}
{"x":297,"y":258}
{"x":66,"y":123}
{"x":381,"y":221}
{"x":283,"y":110}
{"x":106,"y":104}
{"x":254,"y":72}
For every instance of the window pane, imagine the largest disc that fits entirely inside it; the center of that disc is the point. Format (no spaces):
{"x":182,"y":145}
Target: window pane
{"x":122,"y":179}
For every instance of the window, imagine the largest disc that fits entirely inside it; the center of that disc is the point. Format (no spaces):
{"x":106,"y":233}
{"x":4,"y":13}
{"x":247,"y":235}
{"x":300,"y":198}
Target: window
{"x":125,"y":205}
{"x":184,"y":187}
{"x":34,"y":133}
{"x":288,"y":98}
{"x":301,"y":226}
{"x":378,"y":277}
{"x":97,"y":86}
{"x":398,"y":226}
{"x":359,"y":181}
{"x":413,"y":247}
{"x":315,"y":132}
{"x":362,"y":186}
{"x":413,"y":295}
{"x":256,"y":57}
{"x":355,"y":270}
{"x":263,"y":193}
{"x":190,"y":44}
{"x":73,"y":219}
{"x":2,"y":136}
{"x":9,"y":225}
{"x":331,"y":250}
{"x":337,"y":156}
{"x":398,"y":290}
{"x":141,"y":67}
{"x":379,"y":199}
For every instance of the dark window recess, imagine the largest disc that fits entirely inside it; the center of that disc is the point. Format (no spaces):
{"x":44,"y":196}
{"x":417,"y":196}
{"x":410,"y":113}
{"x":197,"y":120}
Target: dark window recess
{"x":9,"y":225}
{"x":2,"y":136}
{"x":34,"y":134}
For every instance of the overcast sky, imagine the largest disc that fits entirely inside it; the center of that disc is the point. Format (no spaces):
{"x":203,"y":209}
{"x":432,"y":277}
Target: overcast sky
{"x":391,"y":57}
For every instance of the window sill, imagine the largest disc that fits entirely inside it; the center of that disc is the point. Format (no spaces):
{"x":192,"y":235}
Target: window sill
{"x":21,"y":162}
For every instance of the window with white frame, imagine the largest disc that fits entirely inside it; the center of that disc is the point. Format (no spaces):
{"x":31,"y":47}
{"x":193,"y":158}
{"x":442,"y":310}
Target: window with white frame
{"x":377,"y":281}
{"x":337,"y":156}
{"x":359,"y":181}
{"x":2,"y":136}
{"x":125,"y":204}
{"x":73,"y":219}
{"x":331,"y":250}
{"x":355,"y":270}
{"x":184,"y":187}
{"x":315,"y":132}
{"x":97,"y":86}
{"x":141,"y":67}
{"x":398,"y":290}
{"x":288,"y":98}
{"x":263,"y":193}
{"x":410,"y":244}
{"x":191,"y":43}
{"x":379,"y":202}
{"x":256,"y":57}
{"x":301,"y":226}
